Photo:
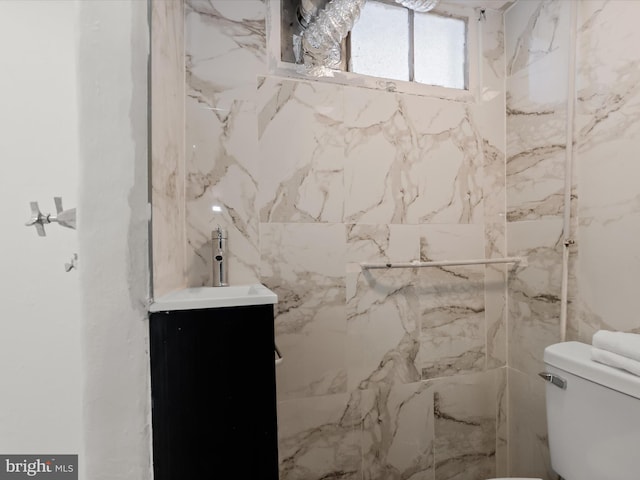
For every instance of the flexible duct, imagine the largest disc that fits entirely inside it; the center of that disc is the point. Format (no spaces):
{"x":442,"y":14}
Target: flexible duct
{"x":307,"y":9}
{"x":322,"y":38}
{"x":321,"y":41}
{"x":305,"y":13}
{"x":418,"y":5}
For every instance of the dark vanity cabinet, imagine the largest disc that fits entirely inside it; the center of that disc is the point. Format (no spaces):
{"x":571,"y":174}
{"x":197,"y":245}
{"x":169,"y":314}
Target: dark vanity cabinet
{"x":213,"y":393}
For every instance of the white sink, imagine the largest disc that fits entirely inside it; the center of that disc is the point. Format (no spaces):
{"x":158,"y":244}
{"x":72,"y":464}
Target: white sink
{"x":214,"y":297}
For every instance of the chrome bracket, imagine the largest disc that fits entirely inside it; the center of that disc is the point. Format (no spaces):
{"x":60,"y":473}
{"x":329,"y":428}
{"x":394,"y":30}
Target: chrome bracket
{"x":65,"y":218}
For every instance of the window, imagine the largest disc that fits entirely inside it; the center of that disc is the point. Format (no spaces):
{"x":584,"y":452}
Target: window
{"x":393,"y":42}
{"x":390,"y":47}
{"x":380,"y":43}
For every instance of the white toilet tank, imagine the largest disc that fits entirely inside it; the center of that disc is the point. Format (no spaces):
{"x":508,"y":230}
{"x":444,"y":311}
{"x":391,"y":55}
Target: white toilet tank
{"x":594,"y":422}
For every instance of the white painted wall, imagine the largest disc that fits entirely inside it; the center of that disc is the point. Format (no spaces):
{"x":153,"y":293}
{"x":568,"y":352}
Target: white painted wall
{"x":113,"y":54}
{"x":74,"y":346}
{"x":40,"y":396}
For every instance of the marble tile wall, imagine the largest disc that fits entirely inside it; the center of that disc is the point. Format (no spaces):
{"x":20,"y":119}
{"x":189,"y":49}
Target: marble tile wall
{"x":607,"y":142}
{"x":387,"y":374}
{"x":537,"y":56}
{"x":225,"y":53}
{"x":537,"y":52}
{"x":604,"y":264}
{"x":405,"y":374}
{"x":167,"y":136}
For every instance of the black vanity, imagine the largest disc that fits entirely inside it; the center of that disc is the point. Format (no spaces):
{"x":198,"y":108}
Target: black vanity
{"x":213,"y":384}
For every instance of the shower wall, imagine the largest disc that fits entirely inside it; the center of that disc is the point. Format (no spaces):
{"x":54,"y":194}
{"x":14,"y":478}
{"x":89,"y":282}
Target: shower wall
{"x":607,"y":143}
{"x":537,"y":57}
{"x":167,"y":146}
{"x":390,"y":374}
{"x":605,"y":262}
{"x":403,"y":374}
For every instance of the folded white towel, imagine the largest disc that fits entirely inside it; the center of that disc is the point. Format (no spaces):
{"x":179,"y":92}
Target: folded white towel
{"x":615,"y":360}
{"x":625,"y":344}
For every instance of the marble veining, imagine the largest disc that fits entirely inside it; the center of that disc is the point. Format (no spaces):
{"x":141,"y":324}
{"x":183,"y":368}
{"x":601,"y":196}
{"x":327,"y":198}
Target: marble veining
{"x":608,"y":138}
{"x":538,"y":43}
{"x":396,"y":148}
{"x":225,"y":50}
{"x":398,"y":433}
{"x":534,"y":292}
{"x":167,"y":136}
{"x":301,"y":178}
{"x":538,"y":26}
{"x":321,"y":437}
{"x":312,"y":178}
{"x":538,"y":34}
{"x":465,"y":427}
{"x":338,"y":135}
{"x":226,"y":46}
{"x":528,"y":439}
{"x":383,"y":329}
{"x":304,"y":265}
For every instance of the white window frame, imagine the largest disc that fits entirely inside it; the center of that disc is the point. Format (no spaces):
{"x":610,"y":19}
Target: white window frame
{"x":279,"y":68}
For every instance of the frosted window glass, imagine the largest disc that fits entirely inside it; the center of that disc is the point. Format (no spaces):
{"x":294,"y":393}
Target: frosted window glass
{"x":440,"y":50}
{"x":380,"y":42}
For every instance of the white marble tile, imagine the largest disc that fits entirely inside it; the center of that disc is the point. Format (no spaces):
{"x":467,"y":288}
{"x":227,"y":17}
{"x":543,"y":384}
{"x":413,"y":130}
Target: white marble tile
{"x":538,"y":55}
{"x":494,"y":185}
{"x":304,"y":265}
{"x":534,"y":292}
{"x":339,"y":175}
{"x":221,"y":189}
{"x":528,"y":439}
{"x":382,"y":327}
{"x":392,"y":150}
{"x":382,"y":243}
{"x":321,"y":437}
{"x":489,"y":115}
{"x":382,"y":306}
{"x":536,"y":139}
{"x":535,"y":163}
{"x":607,"y":80}
{"x":225,"y":51}
{"x":536,"y":41}
{"x":226,"y":47}
{"x":608,"y":138}
{"x":452,"y":319}
{"x":398,"y":433}
{"x":609,"y":271}
{"x":301,"y":152}
{"x":502,"y":422}
{"x":608,"y":110}
{"x":495,"y":305}
{"x":465,"y":426}
{"x":493,"y":54}
{"x":489,"y":107}
{"x":451,"y":242}
{"x":167,"y":153}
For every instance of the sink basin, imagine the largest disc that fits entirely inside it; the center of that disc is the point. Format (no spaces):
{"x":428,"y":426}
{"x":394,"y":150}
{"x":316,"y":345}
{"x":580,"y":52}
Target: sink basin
{"x":214,"y":297}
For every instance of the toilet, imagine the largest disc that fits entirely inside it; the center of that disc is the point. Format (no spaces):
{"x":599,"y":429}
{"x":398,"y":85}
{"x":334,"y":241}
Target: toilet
{"x":593,"y":416}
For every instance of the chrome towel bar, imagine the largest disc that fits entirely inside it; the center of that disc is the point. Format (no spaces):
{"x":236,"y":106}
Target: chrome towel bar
{"x":522,"y":261}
